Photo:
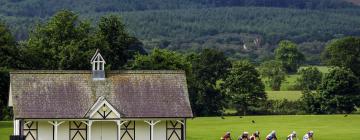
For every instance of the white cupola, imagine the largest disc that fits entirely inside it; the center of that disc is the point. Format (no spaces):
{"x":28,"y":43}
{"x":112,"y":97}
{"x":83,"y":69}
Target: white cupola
{"x":98,"y":66}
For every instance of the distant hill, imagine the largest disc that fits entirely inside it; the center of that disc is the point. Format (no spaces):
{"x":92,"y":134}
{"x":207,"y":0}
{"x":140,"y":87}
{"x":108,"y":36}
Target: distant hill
{"x":43,"y":8}
{"x":241,"y":28}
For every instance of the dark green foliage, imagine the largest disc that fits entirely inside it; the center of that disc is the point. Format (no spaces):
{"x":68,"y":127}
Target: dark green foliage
{"x":309,"y":79}
{"x":208,"y":67}
{"x":8,"y":60}
{"x":312,"y":102}
{"x":289,"y":56}
{"x":273,"y":72}
{"x":279,"y":107}
{"x":8,"y":50}
{"x":43,"y":8}
{"x":244,"y":86}
{"x":339,"y":92}
{"x":65,"y":42}
{"x":345,"y":53}
{"x":119,"y":46}
{"x":190,"y":25}
{"x":4,"y":93}
{"x":161,"y":59}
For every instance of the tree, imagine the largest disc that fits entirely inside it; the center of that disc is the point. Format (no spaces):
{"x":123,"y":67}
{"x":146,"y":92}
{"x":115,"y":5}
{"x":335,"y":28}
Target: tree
{"x":244,"y":86}
{"x":208,"y":67}
{"x":65,"y":42}
{"x":273,"y":73}
{"x":345,"y":53}
{"x":289,"y":56}
{"x":309,"y":79}
{"x":340,"y":91}
{"x":114,"y":37}
{"x":8,"y":50}
{"x":161,"y":59}
{"x":8,"y":60}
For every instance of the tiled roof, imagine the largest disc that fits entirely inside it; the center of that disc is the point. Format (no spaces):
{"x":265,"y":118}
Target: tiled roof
{"x":70,"y":94}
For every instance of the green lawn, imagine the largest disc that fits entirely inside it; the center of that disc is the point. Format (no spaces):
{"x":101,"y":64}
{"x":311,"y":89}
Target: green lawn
{"x":5,"y":130}
{"x":290,"y":80}
{"x":279,"y":95}
{"x":326,"y":127}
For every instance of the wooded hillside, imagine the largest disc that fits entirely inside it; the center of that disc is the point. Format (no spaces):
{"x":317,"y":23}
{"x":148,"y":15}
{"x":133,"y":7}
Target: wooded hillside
{"x":243,"y":29}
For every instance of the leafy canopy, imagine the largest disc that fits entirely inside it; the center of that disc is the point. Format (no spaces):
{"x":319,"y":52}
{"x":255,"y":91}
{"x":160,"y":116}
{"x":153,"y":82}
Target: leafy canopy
{"x":208,"y":67}
{"x":65,"y":42}
{"x":345,"y":53}
{"x":273,"y":72}
{"x":161,"y":59}
{"x":289,"y":56}
{"x":309,"y":79}
{"x":340,"y":90}
{"x":244,"y":86}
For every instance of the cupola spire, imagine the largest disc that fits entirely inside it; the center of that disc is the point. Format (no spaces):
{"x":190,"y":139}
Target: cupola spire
{"x":98,"y":66}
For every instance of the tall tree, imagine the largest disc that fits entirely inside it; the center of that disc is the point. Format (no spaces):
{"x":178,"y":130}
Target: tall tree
{"x":244,"y":86}
{"x":8,"y":50}
{"x":339,"y":92}
{"x":208,"y":68}
{"x":8,"y":60}
{"x":64,"y":42}
{"x":274,"y":73}
{"x":289,"y":56}
{"x":344,"y":52}
{"x":310,"y":78}
{"x":113,"y":36}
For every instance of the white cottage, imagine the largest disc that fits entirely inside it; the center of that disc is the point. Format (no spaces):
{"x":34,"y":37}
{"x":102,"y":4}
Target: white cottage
{"x":87,"y":105}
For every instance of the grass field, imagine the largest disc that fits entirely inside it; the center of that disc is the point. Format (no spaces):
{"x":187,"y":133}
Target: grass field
{"x":290,"y":80}
{"x":279,"y":95}
{"x":326,"y":127}
{"x":5,"y":130}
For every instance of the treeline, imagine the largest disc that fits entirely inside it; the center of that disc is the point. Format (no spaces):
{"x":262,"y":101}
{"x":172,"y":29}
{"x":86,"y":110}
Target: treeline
{"x":43,"y":8}
{"x":232,"y":30}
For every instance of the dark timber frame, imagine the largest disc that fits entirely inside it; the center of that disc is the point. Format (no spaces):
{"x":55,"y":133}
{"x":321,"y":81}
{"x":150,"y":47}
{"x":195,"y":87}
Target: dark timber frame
{"x":76,"y":129}
{"x":126,"y":128}
{"x":31,"y":128}
{"x":172,"y":128}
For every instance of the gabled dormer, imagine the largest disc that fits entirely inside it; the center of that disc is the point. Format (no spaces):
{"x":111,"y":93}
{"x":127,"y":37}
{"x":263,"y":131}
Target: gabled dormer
{"x":98,"y":66}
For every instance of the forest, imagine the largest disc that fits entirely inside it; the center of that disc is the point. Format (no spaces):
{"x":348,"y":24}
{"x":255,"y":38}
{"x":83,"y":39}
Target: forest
{"x":249,"y":29}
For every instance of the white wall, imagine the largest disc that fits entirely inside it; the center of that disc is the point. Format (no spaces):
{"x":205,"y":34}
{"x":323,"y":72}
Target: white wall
{"x":63,"y":131}
{"x":45,"y":131}
{"x":160,"y":131}
{"x":142,"y":131}
{"x":105,"y":130}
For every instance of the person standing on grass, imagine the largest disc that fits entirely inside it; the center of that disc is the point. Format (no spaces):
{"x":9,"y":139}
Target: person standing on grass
{"x":271,"y":136}
{"x":255,"y":135}
{"x":226,"y":136}
{"x":309,"y":136}
{"x":292,"y":136}
{"x":244,"y":136}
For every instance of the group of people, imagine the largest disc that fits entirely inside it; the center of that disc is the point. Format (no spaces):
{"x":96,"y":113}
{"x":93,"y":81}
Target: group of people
{"x":271,"y":136}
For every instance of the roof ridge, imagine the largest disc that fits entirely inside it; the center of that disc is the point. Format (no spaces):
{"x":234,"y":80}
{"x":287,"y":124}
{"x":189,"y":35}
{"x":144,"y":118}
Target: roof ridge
{"x":89,"y":72}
